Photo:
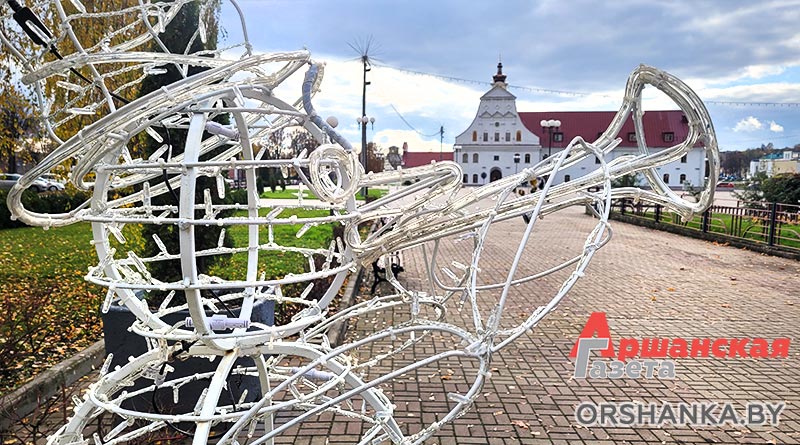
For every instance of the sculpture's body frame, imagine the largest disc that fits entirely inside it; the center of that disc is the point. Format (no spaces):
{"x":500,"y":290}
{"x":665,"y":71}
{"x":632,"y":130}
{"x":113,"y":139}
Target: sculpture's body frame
{"x":426,"y":212}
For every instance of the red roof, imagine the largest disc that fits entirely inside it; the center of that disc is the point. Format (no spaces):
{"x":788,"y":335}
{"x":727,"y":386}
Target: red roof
{"x":417,"y":158}
{"x":590,"y":124}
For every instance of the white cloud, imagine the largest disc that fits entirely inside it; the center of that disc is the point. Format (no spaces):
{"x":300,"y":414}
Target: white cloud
{"x":758,"y":92}
{"x":748,"y":124}
{"x":775,"y":127}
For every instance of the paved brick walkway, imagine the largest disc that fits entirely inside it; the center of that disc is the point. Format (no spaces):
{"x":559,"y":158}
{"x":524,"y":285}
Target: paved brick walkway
{"x":650,"y":284}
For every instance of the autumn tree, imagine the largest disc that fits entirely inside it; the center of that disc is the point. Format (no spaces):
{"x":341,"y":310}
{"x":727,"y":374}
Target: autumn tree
{"x":284,"y":144}
{"x":374,"y":160}
{"x":17,"y":121}
{"x":105,"y":26}
{"x":180,"y":37}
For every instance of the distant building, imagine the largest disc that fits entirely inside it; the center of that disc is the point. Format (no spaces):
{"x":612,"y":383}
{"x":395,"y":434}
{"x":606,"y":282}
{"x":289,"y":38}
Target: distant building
{"x":787,"y":161}
{"x":500,"y":135}
{"x":417,"y":158}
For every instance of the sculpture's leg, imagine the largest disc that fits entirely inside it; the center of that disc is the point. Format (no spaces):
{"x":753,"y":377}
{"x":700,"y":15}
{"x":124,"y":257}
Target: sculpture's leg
{"x":218,"y":382}
{"x":263,"y":378}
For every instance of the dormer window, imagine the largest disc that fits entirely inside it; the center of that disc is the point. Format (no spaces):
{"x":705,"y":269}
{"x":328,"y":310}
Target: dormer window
{"x":558,"y":137}
{"x":631,"y":137}
{"x":668,"y":136}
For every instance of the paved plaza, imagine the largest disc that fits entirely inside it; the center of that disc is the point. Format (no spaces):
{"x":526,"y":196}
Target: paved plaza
{"x":650,"y":284}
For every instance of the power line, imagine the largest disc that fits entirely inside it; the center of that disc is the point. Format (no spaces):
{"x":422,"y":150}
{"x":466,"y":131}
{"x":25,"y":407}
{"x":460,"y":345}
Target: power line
{"x":412,"y":127}
{"x":581,"y":93}
{"x":754,"y":104}
{"x":480,"y":82}
{"x":768,"y":138}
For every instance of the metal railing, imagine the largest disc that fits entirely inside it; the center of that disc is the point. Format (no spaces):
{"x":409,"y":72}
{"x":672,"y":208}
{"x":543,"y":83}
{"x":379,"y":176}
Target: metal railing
{"x":773,"y":224}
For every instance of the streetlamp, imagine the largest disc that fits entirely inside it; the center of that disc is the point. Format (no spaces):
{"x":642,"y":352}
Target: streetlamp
{"x":516,"y":162}
{"x":365,"y":120}
{"x":362,"y":125}
{"x":365,"y":60}
{"x":550,"y":126}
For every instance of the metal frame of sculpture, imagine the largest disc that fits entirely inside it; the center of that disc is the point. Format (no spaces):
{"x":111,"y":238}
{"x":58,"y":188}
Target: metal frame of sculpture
{"x":431,"y":209}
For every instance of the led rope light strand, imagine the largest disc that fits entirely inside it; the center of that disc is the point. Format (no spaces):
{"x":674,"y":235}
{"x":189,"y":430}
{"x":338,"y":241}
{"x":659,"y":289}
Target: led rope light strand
{"x":432,"y":210}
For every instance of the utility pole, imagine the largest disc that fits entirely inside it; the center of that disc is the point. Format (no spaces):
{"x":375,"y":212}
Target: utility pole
{"x":441,"y":141}
{"x":365,"y":62}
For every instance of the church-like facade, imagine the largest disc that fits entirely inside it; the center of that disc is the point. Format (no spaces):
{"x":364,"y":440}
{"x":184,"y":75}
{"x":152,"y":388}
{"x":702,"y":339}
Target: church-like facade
{"x":502,"y":141}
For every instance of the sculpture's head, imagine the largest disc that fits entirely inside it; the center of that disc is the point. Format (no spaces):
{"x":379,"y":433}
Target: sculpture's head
{"x":159,"y":162}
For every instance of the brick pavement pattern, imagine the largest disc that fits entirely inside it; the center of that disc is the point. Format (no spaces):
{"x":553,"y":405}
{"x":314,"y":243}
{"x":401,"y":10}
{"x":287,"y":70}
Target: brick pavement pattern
{"x":649,"y":284}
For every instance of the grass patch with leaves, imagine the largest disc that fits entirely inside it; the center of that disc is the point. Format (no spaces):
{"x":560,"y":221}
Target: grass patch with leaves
{"x":49,"y":310}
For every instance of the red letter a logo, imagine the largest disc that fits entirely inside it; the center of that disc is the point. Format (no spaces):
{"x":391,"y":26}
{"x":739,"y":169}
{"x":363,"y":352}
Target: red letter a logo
{"x":597,"y":324}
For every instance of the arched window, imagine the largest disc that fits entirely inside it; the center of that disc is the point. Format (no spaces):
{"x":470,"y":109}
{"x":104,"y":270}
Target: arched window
{"x":519,"y":136}
{"x":475,"y":158}
{"x":527,"y":158}
{"x":465,"y":178}
{"x":474,"y":136}
{"x":474,"y":179}
{"x":465,"y":158}
{"x":666,"y":178}
{"x":567,"y":178}
{"x":683,"y":178}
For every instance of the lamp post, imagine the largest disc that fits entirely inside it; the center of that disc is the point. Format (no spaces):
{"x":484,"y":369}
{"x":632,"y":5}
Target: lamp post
{"x":550,"y":126}
{"x":516,"y":164}
{"x":363,"y":119}
{"x":362,"y":123}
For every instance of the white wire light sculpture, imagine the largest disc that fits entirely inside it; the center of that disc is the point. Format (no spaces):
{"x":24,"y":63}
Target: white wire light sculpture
{"x":432,"y":209}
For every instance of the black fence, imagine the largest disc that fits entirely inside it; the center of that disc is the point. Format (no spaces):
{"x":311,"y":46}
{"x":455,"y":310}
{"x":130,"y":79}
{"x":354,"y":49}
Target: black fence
{"x":772,"y":224}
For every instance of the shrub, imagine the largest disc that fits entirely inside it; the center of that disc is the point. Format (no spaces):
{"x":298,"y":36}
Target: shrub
{"x":782,"y":188}
{"x":51,"y":202}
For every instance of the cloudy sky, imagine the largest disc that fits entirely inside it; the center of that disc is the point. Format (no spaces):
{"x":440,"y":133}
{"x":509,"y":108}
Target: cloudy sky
{"x":728,"y":51}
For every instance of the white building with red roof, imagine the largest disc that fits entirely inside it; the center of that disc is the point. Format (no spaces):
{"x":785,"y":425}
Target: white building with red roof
{"x":501,"y":141}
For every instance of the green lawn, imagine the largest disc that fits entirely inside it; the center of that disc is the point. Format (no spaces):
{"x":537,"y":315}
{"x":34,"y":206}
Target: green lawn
{"x":292,"y":194}
{"x":274,"y":264}
{"x":286,"y":194}
{"x":751,"y":228}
